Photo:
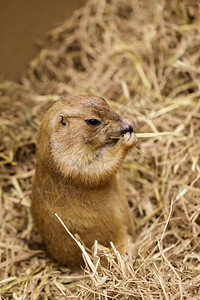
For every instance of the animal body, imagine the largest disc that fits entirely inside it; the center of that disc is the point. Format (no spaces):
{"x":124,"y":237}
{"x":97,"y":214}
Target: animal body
{"x":81,"y":144}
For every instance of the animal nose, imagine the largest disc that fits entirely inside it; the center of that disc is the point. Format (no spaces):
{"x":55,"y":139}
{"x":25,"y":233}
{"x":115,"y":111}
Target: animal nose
{"x":128,"y":129}
{"x":126,"y":126}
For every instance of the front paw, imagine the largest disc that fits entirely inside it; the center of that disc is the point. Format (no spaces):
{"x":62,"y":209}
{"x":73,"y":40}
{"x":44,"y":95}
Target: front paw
{"x":128,"y":140}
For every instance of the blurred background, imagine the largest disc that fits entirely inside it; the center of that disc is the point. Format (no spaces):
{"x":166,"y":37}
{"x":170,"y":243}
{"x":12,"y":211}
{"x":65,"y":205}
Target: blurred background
{"x":24,"y":25}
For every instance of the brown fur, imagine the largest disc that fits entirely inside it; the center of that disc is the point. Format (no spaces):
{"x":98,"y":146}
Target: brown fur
{"x":76,"y":177}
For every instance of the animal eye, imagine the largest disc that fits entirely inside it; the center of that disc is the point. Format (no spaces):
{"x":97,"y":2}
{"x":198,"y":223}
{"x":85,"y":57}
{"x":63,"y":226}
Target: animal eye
{"x":63,"y":121}
{"x":93,"y":122}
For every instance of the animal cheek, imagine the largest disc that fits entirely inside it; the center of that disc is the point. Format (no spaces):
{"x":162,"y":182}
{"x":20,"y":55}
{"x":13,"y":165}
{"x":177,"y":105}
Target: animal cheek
{"x":83,"y":138}
{"x":101,"y":140}
{"x":111,"y":129}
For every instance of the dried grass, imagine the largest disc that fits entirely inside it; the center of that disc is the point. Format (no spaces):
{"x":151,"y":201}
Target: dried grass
{"x":143,"y":57}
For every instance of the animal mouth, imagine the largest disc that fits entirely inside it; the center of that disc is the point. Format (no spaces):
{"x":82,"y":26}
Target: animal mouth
{"x":112,"y":140}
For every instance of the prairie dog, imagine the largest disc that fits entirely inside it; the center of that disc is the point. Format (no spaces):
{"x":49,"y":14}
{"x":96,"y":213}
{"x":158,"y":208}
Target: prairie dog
{"x":81,"y":144}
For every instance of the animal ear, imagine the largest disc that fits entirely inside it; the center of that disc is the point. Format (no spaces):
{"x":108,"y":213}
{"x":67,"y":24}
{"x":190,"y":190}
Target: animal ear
{"x":63,"y":120}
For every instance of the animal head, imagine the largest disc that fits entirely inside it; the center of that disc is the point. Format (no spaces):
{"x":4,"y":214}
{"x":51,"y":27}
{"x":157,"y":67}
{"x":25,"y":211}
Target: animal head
{"x":77,"y":132}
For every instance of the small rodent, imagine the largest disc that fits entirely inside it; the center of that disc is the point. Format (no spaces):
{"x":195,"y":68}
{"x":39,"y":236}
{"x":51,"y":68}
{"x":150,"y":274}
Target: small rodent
{"x":81,"y":145}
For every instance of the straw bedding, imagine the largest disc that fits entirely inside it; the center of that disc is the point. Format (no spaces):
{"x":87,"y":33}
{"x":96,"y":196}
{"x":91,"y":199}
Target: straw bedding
{"x":143,"y":57}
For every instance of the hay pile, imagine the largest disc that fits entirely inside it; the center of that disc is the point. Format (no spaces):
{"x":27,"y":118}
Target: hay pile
{"x":143,"y":56}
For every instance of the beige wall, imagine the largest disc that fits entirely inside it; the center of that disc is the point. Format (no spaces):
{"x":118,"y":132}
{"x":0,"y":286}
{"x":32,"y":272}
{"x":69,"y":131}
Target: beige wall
{"x":22,"y":22}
